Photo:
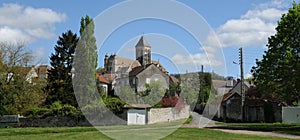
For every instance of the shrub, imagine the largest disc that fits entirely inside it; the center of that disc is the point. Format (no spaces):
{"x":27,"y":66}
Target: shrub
{"x":188,"y":120}
{"x":114,"y":104}
{"x":37,"y":112}
{"x":169,"y":101}
{"x":69,"y":110}
{"x":56,"y":109}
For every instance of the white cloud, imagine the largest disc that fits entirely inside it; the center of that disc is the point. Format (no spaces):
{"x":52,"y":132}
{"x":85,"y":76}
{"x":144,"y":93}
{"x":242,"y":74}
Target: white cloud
{"x":194,"y":60}
{"x":28,"y":22}
{"x":211,"y":54}
{"x":279,"y":4}
{"x":254,"y":27}
{"x":270,"y":14}
{"x":14,"y":35}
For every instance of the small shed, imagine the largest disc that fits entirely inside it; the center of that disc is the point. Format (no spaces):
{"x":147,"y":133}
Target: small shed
{"x":137,"y":114}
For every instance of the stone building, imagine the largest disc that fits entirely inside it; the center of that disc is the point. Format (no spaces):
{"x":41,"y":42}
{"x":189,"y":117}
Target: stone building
{"x":136,"y":73}
{"x":257,"y":107}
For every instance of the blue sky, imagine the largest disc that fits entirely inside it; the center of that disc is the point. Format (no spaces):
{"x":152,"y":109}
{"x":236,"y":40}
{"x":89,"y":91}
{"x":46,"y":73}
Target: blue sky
{"x":236,"y":23}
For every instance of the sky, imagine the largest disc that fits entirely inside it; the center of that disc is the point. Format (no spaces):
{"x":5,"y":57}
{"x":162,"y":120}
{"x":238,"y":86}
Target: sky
{"x":183,"y":34}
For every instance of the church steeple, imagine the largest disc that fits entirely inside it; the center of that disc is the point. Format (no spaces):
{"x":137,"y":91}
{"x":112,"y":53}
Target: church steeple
{"x":143,"y":51}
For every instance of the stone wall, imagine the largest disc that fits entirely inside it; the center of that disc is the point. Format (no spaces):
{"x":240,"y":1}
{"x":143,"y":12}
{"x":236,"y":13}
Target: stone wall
{"x":156,"y":115}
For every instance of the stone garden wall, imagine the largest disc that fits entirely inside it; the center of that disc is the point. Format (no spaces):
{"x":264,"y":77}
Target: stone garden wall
{"x":156,"y":115}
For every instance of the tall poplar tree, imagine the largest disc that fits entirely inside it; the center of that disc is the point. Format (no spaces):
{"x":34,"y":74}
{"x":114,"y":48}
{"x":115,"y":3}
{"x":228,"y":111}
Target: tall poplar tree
{"x":85,"y":63}
{"x":279,"y":70}
{"x":59,"y":81}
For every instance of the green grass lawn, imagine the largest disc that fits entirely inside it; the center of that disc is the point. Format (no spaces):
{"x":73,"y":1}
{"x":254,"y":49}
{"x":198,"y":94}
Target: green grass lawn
{"x":287,"y":128}
{"x":132,"y":132}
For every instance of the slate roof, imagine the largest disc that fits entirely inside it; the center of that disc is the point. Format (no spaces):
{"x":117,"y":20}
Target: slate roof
{"x":143,"y":42}
{"x":137,"y":70}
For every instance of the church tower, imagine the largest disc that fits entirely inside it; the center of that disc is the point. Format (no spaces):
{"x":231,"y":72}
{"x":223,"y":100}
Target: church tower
{"x":143,"y":52}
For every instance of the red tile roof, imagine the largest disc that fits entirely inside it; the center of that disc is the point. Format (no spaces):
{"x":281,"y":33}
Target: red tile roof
{"x":106,"y":78}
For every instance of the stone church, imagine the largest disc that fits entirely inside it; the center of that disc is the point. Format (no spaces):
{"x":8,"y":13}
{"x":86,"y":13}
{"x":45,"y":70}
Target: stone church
{"x":119,"y":71}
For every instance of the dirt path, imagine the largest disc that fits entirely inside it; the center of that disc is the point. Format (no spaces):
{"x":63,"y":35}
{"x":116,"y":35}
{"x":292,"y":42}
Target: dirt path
{"x":201,"y":122}
{"x":260,"y":133}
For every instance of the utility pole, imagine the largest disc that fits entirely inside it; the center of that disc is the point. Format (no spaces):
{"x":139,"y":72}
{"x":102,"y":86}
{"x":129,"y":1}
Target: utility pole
{"x":242,"y":84}
{"x":202,"y":82}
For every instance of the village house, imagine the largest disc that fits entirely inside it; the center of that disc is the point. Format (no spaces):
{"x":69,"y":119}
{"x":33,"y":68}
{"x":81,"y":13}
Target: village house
{"x":257,"y":107}
{"x":29,"y":73}
{"x":119,"y":71}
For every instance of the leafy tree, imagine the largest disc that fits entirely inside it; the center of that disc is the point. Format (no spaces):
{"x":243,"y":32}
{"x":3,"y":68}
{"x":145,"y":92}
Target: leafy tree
{"x":85,"y":63}
{"x":128,"y":95}
{"x":114,"y":104}
{"x":205,"y":87}
{"x":190,"y":87}
{"x":153,"y":94}
{"x":59,"y":81}
{"x":279,"y":70}
{"x":174,"y":89}
{"x":188,"y":92}
{"x":17,"y":92}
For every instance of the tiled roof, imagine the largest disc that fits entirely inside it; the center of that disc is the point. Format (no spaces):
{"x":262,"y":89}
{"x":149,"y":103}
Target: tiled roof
{"x":157,"y":64}
{"x":102,"y":79}
{"x":135,"y":64}
{"x":106,"y":78}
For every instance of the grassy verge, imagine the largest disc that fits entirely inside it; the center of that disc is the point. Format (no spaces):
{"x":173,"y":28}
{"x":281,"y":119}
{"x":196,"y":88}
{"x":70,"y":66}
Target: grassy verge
{"x":287,"y":128}
{"x":70,"y":133}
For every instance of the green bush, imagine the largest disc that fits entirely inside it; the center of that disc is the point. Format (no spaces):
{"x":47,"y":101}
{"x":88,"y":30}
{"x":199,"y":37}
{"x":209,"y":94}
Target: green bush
{"x":56,"y":109}
{"x":188,"y":120}
{"x":37,"y":112}
{"x":114,"y":104}
{"x":69,"y":110}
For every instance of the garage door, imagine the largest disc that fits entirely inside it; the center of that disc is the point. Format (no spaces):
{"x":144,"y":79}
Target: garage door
{"x":136,"y":116}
